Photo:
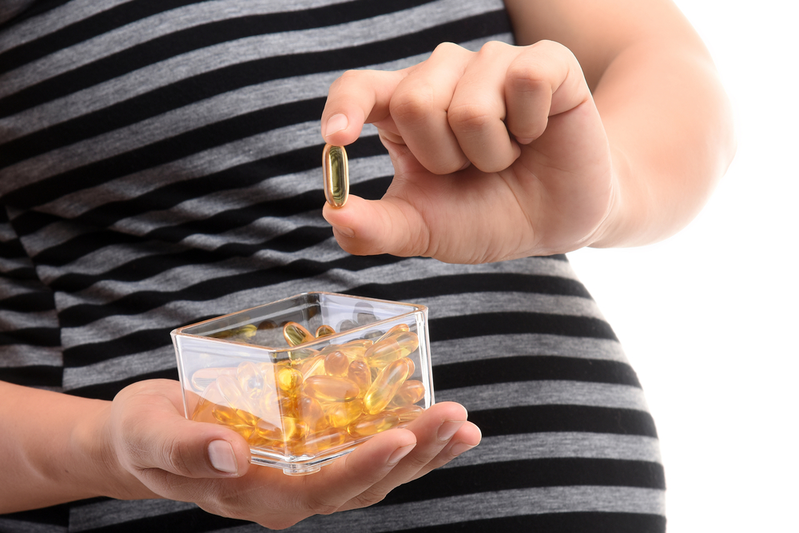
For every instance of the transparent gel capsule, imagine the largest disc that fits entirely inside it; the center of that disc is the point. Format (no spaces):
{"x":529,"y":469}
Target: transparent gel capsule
{"x":370,"y":425}
{"x":409,"y":393}
{"x":342,"y":414}
{"x":392,"y":347}
{"x":407,"y":413}
{"x":240,"y":421}
{"x":359,"y":373}
{"x":228,"y":387}
{"x":314,"y":366}
{"x":336,"y":175}
{"x":324,"y":331}
{"x":330,"y":389}
{"x":246,"y":332}
{"x":336,"y":364}
{"x":311,"y":413}
{"x":385,"y":385}
{"x":288,"y":379}
{"x":296,"y":334}
{"x":323,"y":440}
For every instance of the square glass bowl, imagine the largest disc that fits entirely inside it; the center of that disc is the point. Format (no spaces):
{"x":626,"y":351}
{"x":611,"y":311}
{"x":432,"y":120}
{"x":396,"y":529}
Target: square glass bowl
{"x":307,"y":379}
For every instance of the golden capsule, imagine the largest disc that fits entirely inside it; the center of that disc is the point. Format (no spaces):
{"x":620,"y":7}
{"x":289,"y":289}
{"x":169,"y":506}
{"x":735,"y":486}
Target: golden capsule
{"x":324,"y":331}
{"x":359,"y":373}
{"x":385,"y":385}
{"x":342,"y":414}
{"x":240,"y":421}
{"x":370,"y":425}
{"x":323,"y":440}
{"x":336,"y":364}
{"x":330,"y":388}
{"x":336,"y":175}
{"x":311,"y":413}
{"x":409,"y":393}
{"x":266,"y":434}
{"x":296,"y":334}
{"x":313,"y":367}
{"x":247,"y":331}
{"x":407,"y":413}
{"x":288,"y":379}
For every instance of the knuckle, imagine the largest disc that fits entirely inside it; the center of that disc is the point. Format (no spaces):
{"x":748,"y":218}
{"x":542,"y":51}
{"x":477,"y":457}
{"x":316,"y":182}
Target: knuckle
{"x":413,"y":106}
{"x":469,"y":117}
{"x":493,"y":48}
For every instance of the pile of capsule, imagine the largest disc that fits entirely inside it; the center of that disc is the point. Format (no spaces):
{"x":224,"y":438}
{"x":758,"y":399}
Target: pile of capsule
{"x":318,"y":400}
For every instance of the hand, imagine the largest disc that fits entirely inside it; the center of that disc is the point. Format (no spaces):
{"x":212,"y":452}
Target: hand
{"x":498,"y":154}
{"x":161,"y":454}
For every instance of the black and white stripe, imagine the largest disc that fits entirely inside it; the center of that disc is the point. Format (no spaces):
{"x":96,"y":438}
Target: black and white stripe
{"x":159,"y":164}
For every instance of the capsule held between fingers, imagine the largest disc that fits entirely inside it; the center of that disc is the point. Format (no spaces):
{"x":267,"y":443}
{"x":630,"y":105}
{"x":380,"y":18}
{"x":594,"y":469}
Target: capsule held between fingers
{"x":336,"y":174}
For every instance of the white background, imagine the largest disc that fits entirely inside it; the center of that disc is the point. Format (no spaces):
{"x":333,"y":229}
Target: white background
{"x":709,"y":318}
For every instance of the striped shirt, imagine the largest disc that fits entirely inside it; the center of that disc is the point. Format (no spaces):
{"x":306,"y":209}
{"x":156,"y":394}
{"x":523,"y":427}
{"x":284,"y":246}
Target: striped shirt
{"x":160,"y":164}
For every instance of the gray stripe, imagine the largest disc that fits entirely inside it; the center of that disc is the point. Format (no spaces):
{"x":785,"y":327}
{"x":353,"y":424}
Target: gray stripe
{"x":20,"y":526}
{"x":561,"y":445}
{"x":120,"y":368}
{"x":531,"y":393}
{"x":22,"y":355}
{"x":11,"y":320}
{"x":109,"y":513}
{"x":497,"y":346}
{"x":495,"y":302}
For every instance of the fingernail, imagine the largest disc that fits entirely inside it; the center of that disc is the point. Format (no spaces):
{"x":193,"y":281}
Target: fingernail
{"x":448,"y":429}
{"x":460,"y":448}
{"x":222,"y":457}
{"x":335,"y":124}
{"x":399,"y":453}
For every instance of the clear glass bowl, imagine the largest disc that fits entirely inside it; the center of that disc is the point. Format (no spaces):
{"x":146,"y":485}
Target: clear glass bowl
{"x":307,"y":379}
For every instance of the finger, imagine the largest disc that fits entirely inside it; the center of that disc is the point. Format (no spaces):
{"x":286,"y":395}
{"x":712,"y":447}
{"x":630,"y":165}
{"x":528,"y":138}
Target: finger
{"x":343,"y":482}
{"x":544,"y":80}
{"x":370,"y":227}
{"x":477,"y":112}
{"x":355,"y":98}
{"x":419,"y":108}
{"x":154,"y":435}
{"x":466,"y":438}
{"x":434,"y":431}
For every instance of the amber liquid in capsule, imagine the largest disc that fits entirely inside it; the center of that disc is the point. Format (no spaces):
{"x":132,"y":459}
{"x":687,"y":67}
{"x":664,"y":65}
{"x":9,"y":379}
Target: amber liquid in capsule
{"x":336,"y":174}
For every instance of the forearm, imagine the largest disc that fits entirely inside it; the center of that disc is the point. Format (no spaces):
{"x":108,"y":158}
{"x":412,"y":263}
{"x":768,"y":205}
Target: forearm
{"x":667,"y":118}
{"x":670,"y":129}
{"x":50,"y":448}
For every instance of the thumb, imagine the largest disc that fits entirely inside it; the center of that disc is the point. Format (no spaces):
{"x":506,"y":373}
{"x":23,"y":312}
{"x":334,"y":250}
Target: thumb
{"x":371,"y":227}
{"x":151,"y":433}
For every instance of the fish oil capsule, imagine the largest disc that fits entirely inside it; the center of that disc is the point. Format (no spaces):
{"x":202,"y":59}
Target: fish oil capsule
{"x":359,"y":373}
{"x":342,"y":414}
{"x":313,"y":367}
{"x":323,"y":440}
{"x":311,"y":413}
{"x":393,"y":330}
{"x":232,"y":394}
{"x":288,"y":379}
{"x":407,"y":413}
{"x":409,"y":393}
{"x":385,"y":386}
{"x":324,"y":331}
{"x":246,"y":331}
{"x":266,"y":434}
{"x":336,"y":364}
{"x":240,"y":421}
{"x":336,"y":175}
{"x":330,"y":389}
{"x":370,"y":425}
{"x":296,"y":334}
